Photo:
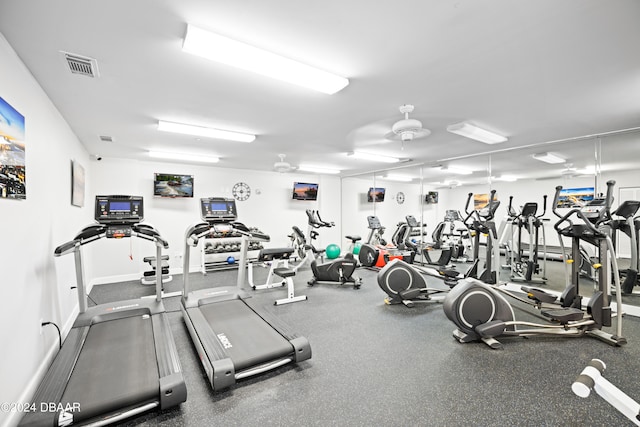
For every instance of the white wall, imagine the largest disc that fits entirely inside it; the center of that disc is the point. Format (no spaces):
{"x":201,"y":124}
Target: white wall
{"x":269,"y":208}
{"x":35,"y":286}
{"x":356,"y":208}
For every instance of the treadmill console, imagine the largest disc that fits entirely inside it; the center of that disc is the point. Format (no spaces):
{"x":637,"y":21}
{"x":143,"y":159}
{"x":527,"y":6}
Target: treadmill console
{"x":218,"y":210}
{"x":122,"y":210}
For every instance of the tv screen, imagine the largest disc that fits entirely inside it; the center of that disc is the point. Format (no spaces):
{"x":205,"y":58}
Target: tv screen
{"x":170,"y":185}
{"x":431,"y":197}
{"x":575,"y":197}
{"x":305,"y":191}
{"x":375,"y":194}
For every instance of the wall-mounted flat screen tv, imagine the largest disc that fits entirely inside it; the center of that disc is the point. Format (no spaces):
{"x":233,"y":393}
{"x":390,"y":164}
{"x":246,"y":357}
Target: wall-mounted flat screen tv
{"x":305,"y":191}
{"x":375,"y":194}
{"x":172,"y":185}
{"x":575,"y":197}
{"x":431,"y":197}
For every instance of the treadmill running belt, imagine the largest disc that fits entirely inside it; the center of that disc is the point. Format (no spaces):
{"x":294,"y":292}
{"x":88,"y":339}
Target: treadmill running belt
{"x":116,"y":368}
{"x":247,"y":338}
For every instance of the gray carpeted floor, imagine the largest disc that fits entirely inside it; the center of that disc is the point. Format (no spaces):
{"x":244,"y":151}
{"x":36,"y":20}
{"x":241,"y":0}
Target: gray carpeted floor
{"x":375,"y":364}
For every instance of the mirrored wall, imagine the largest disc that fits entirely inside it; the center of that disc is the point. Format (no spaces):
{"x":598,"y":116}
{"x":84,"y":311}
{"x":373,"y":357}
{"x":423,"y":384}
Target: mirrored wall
{"x":428,"y":190}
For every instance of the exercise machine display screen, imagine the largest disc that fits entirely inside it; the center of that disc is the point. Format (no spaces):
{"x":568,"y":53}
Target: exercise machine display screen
{"x":119,"y":209}
{"x":218,"y":209}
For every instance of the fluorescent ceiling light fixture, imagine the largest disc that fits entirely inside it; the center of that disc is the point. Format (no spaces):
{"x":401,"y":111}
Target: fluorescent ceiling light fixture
{"x":470,"y":131}
{"x":205,"y":132}
{"x":401,"y":178}
{"x":317,"y":169}
{"x":373,"y":157}
{"x":457,"y":171}
{"x":184,"y":157}
{"x":237,"y":54}
{"x":549,"y":157}
{"x":505,"y":178}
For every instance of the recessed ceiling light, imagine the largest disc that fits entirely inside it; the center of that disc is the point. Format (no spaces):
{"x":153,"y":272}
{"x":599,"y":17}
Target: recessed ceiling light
{"x":474,"y":132}
{"x":237,"y":54}
{"x":205,"y":131}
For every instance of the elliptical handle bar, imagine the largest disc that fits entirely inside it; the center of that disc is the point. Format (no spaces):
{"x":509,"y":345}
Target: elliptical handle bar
{"x":544,"y":206}
{"x":581,"y":215}
{"x":466,"y":206}
{"x":492,"y":210}
{"x":512,"y":214}
{"x":605,"y":214}
{"x":556,"y":198}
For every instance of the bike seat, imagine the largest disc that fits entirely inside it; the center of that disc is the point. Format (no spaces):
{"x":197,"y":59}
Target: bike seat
{"x":354,"y":238}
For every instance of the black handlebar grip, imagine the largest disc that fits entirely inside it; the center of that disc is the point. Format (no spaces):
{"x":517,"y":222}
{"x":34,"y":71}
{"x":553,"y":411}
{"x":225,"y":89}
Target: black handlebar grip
{"x":466,"y":206}
{"x":556,"y":198}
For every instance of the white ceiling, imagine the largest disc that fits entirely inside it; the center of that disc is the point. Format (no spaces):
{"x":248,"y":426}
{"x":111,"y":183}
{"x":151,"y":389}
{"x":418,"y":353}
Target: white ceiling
{"x":533,"y":70}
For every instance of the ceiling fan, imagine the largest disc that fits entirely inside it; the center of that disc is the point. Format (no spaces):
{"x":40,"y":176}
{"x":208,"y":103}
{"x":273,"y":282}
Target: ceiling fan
{"x":384,"y":131}
{"x":281,"y":166}
{"x":407,"y":129}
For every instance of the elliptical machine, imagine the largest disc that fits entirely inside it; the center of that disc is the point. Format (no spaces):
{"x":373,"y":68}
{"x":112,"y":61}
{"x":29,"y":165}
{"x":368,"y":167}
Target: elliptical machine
{"x":406,"y":283}
{"x":523,"y":268}
{"x":480,"y":222}
{"x":482,"y":313}
{"x":629,"y":226}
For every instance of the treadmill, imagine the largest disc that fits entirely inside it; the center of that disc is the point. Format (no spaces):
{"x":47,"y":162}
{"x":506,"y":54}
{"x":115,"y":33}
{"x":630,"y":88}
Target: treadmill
{"x":234,"y":340}
{"x":119,"y":359}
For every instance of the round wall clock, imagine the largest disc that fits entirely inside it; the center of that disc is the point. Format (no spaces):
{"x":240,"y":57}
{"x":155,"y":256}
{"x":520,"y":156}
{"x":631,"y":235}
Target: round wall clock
{"x":241,"y":191}
{"x":400,"y":197}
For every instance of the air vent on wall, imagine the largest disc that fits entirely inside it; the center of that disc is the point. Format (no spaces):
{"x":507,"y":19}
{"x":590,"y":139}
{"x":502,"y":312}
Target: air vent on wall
{"x":105,"y":138}
{"x":81,"y":64}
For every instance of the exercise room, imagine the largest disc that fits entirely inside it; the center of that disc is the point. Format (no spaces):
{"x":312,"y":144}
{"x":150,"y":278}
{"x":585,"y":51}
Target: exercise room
{"x":340,"y":213}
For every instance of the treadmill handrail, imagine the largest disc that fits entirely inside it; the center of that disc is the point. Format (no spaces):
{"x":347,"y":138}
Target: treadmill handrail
{"x":97,"y":231}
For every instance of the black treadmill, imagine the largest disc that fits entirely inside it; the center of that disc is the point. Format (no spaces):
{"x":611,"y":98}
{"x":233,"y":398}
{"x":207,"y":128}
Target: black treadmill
{"x":233,"y":338}
{"x":119,"y":359}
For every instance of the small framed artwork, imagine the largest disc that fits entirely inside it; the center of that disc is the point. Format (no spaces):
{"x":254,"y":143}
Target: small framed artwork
{"x":77,"y":184}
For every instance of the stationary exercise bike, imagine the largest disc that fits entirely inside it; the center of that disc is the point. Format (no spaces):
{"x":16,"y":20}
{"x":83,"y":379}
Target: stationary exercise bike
{"x":423,"y":250}
{"x":482,"y":313}
{"x":336,"y":271}
{"x":375,"y":253}
{"x":452,"y":232}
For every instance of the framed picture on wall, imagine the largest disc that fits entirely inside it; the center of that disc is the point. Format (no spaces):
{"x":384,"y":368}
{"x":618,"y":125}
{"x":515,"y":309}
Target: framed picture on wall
{"x":12,"y":153}
{"x":77,"y":184}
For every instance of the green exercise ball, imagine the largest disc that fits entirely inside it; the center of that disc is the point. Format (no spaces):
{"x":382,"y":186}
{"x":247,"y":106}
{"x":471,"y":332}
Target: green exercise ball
{"x":356,"y":248}
{"x":332,"y":251}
